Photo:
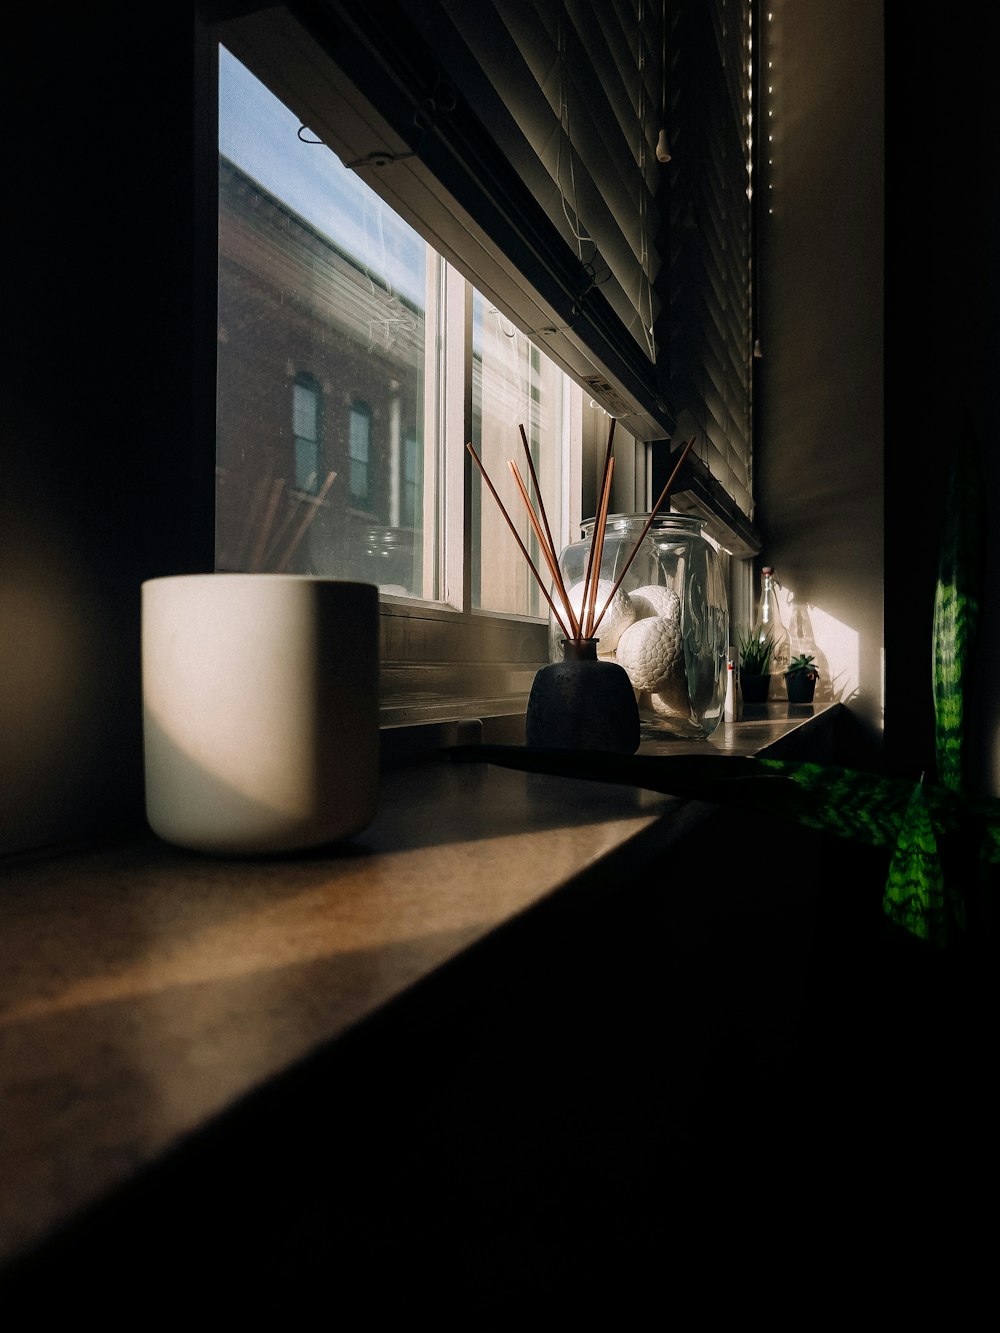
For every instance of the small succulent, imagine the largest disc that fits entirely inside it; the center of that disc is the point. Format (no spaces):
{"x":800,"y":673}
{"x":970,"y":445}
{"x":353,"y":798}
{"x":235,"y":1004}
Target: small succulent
{"x":755,"y":651}
{"x":803,"y":662}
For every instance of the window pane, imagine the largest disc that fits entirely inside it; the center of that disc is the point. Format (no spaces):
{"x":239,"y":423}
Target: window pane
{"x":308,"y":452}
{"x":359,"y":445}
{"x":410,"y":498}
{"x":305,"y":410}
{"x":322,"y":379}
{"x":514,"y":384}
{"x":307,"y":466}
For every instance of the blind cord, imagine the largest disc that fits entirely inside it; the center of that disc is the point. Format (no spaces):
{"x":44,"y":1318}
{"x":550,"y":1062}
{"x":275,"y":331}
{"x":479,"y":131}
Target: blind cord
{"x":662,"y":143}
{"x":645,"y":284}
{"x":564,"y":130}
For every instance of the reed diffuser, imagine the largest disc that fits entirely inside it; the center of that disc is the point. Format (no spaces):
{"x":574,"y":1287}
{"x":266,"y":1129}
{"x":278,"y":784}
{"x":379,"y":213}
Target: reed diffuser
{"x":581,"y":702}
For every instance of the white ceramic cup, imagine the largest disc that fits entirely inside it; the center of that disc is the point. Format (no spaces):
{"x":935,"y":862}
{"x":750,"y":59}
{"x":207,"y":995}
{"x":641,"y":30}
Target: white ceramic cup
{"x":260,"y":710}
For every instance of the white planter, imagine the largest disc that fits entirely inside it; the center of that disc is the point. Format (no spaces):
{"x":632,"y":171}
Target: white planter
{"x":260,"y":710}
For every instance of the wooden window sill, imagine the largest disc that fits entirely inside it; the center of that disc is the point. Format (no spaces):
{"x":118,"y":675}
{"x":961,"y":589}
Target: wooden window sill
{"x":148,"y":991}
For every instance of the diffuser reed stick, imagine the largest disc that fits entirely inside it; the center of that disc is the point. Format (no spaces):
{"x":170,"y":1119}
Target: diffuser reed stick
{"x":260,"y":546}
{"x":591,"y":579}
{"x":597,"y":551}
{"x":547,"y":549}
{"x":646,"y":526}
{"x":524,"y":550}
{"x":586,"y":624}
{"x":314,"y":503}
{"x":537,"y":490}
{"x":549,"y":545}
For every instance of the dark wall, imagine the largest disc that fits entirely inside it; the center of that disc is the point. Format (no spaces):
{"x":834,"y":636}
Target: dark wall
{"x":819,"y":471}
{"x":942,"y":360}
{"x":107,"y":411}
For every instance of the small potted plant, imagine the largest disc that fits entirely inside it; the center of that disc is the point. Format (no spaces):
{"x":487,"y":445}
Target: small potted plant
{"x":800,"y":679}
{"x":755,"y":665}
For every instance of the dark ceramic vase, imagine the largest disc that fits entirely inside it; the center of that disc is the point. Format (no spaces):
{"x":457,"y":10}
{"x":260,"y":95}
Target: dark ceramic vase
{"x":754,"y":689}
{"x":801,"y":686}
{"x":582,"y":703}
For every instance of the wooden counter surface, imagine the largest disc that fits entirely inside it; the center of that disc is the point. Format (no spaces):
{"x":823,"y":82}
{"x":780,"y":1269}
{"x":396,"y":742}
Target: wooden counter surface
{"x":144,"y":989}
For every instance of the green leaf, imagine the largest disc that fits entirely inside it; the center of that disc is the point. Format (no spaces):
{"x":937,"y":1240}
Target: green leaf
{"x":957,"y":601}
{"x":754,"y":651}
{"x":915,"y":892}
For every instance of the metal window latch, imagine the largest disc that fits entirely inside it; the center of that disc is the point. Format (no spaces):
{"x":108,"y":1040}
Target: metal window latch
{"x":378,"y":158}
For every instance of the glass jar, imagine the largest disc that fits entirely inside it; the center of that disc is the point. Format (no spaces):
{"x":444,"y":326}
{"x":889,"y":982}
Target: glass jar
{"x":668,"y":622}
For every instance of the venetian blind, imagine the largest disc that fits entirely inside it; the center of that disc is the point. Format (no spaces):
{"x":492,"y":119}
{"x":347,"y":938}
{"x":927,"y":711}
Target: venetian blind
{"x":711,"y":231}
{"x":577,"y":110}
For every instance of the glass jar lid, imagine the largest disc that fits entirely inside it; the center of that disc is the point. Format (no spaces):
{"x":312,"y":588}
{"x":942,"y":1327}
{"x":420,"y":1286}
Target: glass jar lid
{"x":627,"y":524}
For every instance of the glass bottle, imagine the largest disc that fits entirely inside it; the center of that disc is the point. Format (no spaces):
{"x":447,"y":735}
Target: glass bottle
{"x":769,"y":621}
{"x":803,"y":640}
{"x":669,"y":614}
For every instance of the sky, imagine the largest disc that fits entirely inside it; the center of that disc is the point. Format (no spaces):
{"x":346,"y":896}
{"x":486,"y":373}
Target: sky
{"x":260,"y":135}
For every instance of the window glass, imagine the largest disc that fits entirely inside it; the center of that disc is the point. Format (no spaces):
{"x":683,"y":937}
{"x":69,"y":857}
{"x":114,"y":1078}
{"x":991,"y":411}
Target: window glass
{"x":513,"y":385}
{"x":324,"y":439}
{"x":305,"y":423}
{"x":410,"y":487}
{"x":359,"y":455}
{"x":335,"y":321}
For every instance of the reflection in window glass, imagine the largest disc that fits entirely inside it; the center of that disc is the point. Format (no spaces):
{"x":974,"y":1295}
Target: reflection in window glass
{"x":358,"y":449}
{"x":305,"y":423}
{"x":321,"y":425}
{"x":409,"y":498}
{"x":514,"y":385}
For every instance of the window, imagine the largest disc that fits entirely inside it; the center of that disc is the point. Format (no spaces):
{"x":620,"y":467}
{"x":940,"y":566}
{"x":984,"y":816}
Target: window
{"x":315,"y":271}
{"x":365,"y":476}
{"x":306,"y":409}
{"x":491,"y":247}
{"x":410,"y":481}
{"x":513,"y":385}
{"x":359,"y":443}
